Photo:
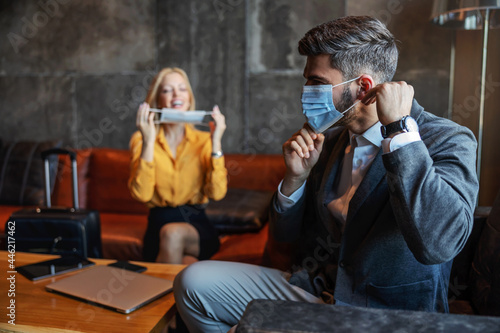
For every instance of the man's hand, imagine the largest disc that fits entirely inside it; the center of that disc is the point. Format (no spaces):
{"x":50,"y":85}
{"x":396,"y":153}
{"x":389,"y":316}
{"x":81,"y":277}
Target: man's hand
{"x":394,"y":100}
{"x":301,"y":152}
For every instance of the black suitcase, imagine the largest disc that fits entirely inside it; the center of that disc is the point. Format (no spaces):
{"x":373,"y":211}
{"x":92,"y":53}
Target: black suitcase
{"x":60,"y":231}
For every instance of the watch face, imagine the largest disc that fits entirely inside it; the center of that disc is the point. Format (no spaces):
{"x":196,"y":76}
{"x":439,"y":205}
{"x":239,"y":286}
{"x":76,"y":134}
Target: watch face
{"x":410,"y":124}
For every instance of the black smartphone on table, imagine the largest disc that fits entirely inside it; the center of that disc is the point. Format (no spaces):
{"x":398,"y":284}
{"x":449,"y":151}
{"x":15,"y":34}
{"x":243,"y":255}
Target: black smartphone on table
{"x":53,"y":267}
{"x":123,"y":264}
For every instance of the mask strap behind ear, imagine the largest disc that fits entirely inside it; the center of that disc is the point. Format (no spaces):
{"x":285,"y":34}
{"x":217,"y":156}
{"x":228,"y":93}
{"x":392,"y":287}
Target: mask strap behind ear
{"x":346,"y":82}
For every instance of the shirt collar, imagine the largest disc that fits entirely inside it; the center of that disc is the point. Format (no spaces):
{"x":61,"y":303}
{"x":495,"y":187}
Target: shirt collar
{"x":160,"y":137}
{"x":371,"y":135}
{"x":188,"y":130}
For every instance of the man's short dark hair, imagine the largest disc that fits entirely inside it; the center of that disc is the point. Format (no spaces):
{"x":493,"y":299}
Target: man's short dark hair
{"x":356,"y":45}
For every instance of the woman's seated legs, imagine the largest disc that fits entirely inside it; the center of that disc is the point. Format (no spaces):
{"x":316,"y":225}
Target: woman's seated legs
{"x":176,"y":240}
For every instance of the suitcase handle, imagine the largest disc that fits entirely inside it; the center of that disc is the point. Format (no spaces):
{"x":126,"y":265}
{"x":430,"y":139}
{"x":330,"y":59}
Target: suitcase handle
{"x":58,"y":151}
{"x":72,"y":155}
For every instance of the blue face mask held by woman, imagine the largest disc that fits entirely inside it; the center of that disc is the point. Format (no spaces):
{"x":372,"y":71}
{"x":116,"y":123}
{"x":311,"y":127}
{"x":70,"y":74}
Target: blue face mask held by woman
{"x":318,"y":107}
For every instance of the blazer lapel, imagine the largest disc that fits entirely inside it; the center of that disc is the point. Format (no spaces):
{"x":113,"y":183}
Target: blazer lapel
{"x":360,"y":219}
{"x":326,"y":186}
{"x":372,"y":178}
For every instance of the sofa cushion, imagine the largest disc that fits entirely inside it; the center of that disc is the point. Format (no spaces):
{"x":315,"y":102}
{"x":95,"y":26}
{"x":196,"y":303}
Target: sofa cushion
{"x":22,"y":172}
{"x":5,"y":212}
{"x":108,"y":177}
{"x":247,"y":247}
{"x":240,"y":211}
{"x":122,"y":235}
{"x":255,"y":171}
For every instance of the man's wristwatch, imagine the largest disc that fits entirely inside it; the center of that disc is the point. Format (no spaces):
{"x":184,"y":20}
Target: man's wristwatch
{"x":405,"y":124}
{"x":217,"y":154}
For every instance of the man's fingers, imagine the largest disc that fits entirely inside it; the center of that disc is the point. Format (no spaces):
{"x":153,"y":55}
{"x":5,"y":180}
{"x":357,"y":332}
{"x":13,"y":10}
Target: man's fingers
{"x":303,"y":142}
{"x":318,"y":144}
{"x":303,"y":146}
{"x":370,"y":100}
{"x":310,"y":131}
{"x":296,"y":148}
{"x":412,"y":91}
{"x":306,"y":136}
{"x":370,"y":96}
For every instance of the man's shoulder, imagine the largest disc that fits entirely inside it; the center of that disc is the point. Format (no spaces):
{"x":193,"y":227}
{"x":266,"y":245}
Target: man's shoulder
{"x":426,"y":117}
{"x":439,"y":129}
{"x":428,"y":120}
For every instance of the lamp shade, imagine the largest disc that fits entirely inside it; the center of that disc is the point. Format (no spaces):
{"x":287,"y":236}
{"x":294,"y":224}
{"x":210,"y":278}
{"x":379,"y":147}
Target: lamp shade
{"x":465,"y":14}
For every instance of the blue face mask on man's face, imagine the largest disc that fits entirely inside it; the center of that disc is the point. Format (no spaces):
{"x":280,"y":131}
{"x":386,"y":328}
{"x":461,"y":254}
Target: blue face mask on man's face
{"x":318,"y":107}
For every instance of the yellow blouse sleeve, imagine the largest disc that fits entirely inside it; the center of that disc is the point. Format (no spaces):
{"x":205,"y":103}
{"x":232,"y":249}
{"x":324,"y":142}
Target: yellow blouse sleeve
{"x":142,"y":174}
{"x":216,"y":179}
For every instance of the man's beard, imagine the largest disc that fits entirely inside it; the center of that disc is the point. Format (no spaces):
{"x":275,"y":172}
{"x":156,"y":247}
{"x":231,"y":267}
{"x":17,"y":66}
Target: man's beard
{"x":346,"y":102}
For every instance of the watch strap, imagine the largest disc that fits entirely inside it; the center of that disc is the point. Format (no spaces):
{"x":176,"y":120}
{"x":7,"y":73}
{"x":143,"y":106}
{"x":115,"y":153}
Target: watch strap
{"x":392,"y":128}
{"x":217,"y":154}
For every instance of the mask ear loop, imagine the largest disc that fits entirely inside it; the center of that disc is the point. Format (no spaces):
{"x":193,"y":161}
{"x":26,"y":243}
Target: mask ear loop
{"x":351,"y":107}
{"x":345,"y":83}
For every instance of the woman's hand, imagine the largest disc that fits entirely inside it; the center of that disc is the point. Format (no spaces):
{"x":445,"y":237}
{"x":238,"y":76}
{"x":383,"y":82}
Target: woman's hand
{"x":145,"y":123}
{"x":217,"y":128}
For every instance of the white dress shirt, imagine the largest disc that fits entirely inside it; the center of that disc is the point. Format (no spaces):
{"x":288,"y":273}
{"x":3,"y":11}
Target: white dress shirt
{"x":358,"y":157}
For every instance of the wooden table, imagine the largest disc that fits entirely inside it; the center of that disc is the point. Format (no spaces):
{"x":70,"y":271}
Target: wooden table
{"x":37,"y":310}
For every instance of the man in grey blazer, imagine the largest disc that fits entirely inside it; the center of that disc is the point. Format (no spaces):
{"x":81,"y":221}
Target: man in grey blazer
{"x":377,"y":205}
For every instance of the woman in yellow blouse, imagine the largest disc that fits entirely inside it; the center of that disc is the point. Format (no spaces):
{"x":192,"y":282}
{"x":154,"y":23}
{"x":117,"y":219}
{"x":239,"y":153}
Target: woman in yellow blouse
{"x":175,"y":170}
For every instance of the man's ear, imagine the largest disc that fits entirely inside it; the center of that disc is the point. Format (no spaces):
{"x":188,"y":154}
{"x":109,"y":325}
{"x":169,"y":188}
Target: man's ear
{"x":365,"y":83}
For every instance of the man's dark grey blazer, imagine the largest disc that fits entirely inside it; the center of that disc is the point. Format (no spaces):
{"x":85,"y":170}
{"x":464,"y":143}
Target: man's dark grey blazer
{"x":410,"y":216}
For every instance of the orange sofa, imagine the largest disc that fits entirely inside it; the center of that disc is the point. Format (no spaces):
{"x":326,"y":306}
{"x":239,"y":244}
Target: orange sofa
{"x":102,"y":179}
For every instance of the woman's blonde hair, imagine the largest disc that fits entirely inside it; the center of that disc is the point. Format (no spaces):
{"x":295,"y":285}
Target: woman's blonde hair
{"x":154,"y":88}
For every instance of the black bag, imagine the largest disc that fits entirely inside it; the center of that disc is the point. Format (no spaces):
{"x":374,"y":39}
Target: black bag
{"x":57,"y":230}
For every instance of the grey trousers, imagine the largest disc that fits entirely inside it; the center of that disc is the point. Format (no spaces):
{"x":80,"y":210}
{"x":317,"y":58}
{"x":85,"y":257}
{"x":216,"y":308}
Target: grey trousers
{"x":211,"y":296}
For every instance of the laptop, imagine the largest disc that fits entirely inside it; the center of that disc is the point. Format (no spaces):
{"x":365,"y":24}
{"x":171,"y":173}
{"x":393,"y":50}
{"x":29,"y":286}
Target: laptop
{"x":113,"y":288}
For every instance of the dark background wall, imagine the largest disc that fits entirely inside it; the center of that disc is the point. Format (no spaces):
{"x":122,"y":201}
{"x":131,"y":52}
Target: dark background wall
{"x":77,"y":70}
